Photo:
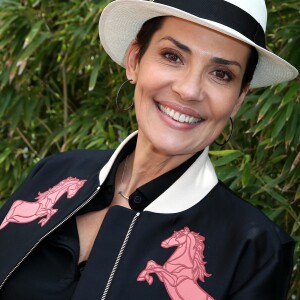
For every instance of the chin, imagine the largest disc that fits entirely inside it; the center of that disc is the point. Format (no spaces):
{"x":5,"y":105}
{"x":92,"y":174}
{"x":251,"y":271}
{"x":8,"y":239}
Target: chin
{"x":174,"y":146}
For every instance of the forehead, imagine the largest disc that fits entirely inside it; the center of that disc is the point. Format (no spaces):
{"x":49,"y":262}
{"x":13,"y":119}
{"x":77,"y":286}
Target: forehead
{"x":203,"y":39}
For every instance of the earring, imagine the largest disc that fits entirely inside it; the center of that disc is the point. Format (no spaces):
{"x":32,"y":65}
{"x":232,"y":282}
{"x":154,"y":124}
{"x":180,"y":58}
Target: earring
{"x":230,"y":134}
{"x":117,"y":97}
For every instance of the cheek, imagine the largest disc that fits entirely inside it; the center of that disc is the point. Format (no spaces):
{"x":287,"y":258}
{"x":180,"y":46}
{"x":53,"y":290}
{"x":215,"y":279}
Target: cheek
{"x":141,"y":103}
{"x":142,"y":87}
{"x":222,"y":103}
{"x":139,"y":98}
{"x":146,"y":88}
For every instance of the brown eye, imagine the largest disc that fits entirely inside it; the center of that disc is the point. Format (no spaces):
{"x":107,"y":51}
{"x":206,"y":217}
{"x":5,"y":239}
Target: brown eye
{"x":222,"y":75}
{"x":173,"y":57}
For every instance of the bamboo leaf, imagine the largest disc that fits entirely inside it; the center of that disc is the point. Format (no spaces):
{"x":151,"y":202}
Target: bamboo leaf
{"x":265,"y":108}
{"x":264,"y":96}
{"x":5,"y":24}
{"x":224,"y":152}
{"x":246,"y":174}
{"x":279,"y":124}
{"x":289,"y":111}
{"x":94,"y":74}
{"x":290,"y":95}
{"x":32,"y":47}
{"x":227,"y":158}
{"x":33,"y":33}
{"x":292,"y":127}
{"x":278,"y":197}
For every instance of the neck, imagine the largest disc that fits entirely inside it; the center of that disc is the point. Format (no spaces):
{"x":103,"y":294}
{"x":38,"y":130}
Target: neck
{"x":147,"y":163}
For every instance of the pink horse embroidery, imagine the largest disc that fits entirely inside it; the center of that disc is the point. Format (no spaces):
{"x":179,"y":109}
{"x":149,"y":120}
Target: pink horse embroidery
{"x":24,"y":212}
{"x":184,"y":267}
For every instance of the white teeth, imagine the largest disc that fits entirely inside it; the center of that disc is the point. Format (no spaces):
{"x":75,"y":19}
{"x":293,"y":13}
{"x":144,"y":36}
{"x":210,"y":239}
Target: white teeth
{"x":176,"y":116}
{"x":182,"y":118}
{"x":170,"y":112}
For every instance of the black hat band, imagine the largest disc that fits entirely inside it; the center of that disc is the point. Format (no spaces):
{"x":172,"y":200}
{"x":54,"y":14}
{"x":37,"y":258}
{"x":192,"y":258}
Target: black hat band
{"x":222,"y":12}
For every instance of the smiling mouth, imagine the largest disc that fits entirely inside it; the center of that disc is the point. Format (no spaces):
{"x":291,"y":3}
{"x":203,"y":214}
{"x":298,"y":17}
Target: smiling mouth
{"x":177,"y":116}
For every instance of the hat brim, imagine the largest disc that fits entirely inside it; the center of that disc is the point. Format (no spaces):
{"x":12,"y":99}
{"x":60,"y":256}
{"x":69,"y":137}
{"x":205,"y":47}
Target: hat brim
{"x":120,"y":22}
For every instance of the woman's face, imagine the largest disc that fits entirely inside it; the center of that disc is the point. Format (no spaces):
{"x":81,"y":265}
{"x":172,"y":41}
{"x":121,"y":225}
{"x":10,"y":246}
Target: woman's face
{"x":187,"y":86}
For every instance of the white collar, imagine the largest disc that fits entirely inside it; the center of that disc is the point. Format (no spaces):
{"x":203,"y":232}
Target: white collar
{"x":197,"y":181}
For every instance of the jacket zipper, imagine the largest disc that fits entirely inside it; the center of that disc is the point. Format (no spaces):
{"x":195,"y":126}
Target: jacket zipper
{"x":54,"y":228}
{"x":114,"y":269}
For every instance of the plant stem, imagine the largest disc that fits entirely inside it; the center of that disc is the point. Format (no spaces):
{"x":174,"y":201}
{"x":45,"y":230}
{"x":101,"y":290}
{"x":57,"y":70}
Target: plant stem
{"x":65,"y":98}
{"x":26,"y":141}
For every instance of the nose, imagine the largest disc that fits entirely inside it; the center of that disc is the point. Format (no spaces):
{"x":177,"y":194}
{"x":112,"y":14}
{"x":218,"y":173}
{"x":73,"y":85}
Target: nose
{"x":189,"y":86}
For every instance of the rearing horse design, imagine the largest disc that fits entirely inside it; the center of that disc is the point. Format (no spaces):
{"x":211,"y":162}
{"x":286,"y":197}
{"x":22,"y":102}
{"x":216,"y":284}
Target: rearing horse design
{"x":24,"y":212}
{"x":184,"y":267}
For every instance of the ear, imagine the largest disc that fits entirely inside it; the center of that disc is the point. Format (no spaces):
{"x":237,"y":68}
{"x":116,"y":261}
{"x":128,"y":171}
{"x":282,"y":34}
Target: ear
{"x":132,"y":62}
{"x":240,"y":100}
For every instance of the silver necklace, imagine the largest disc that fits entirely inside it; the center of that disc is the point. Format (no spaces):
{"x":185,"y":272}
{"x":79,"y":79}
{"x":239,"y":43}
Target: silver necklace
{"x":121,"y":192}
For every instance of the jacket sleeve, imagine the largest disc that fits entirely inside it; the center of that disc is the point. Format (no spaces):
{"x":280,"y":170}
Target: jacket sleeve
{"x":271,"y":281}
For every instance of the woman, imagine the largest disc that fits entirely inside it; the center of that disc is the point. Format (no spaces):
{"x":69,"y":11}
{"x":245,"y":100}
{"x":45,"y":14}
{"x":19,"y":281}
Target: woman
{"x":151,"y":220}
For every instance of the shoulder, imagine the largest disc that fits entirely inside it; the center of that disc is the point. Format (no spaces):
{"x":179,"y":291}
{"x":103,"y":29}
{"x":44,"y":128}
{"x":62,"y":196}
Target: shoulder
{"x":263,"y":251}
{"x":249,"y":221}
{"x":49,"y":171}
{"x":85,"y":159}
{"x":80,"y":156}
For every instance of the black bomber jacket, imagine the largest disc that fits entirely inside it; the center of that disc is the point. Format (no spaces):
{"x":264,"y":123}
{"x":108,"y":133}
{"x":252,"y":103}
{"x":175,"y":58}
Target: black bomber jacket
{"x":197,"y":240}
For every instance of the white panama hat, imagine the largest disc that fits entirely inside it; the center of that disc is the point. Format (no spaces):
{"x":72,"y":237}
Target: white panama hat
{"x":244,"y":20}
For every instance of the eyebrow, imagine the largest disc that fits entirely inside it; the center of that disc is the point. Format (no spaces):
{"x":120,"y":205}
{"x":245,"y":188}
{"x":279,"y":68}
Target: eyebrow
{"x":177,"y":44}
{"x":222,"y":61}
{"x":216,"y":60}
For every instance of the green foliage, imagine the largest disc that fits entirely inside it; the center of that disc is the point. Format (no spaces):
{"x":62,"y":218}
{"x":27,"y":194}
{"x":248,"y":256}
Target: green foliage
{"x":50,"y":61}
{"x":57,"y":90}
{"x":264,"y":163}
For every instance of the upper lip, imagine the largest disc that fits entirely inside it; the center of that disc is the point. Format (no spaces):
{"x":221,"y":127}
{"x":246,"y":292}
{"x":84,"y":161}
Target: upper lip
{"x":181,"y":109}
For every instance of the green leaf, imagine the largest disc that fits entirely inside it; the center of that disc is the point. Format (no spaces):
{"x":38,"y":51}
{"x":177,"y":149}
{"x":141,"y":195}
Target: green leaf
{"x":94,"y":74}
{"x":264,"y":96}
{"x":35,"y":29}
{"x":289,"y":111}
{"x":277,"y":196}
{"x":267,"y":120}
{"x":6,"y":24}
{"x":4,"y":155}
{"x":265,"y":108}
{"x":279,"y":124}
{"x":290,"y":95}
{"x":227,"y":172}
{"x":291,"y":129}
{"x":246,"y":174}
{"x":226,"y":159}
{"x":33,"y":46}
{"x":224,"y":152}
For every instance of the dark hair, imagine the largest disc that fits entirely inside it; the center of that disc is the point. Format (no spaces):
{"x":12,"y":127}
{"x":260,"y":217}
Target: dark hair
{"x":148,"y":29}
{"x":250,"y":68}
{"x":146,"y":33}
